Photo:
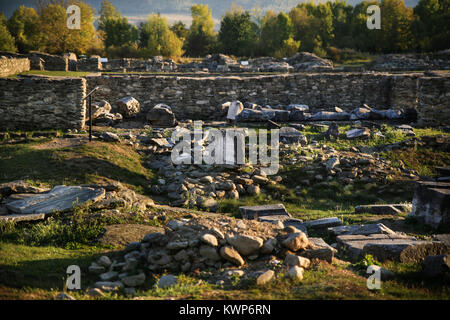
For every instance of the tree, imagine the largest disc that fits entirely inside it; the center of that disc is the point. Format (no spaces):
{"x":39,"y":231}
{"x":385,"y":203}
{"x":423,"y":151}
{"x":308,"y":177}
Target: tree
{"x":57,"y":38}
{"x":107,"y":12}
{"x":118,"y":32}
{"x":179,"y":28}
{"x":396,"y":27}
{"x":201,"y":39}
{"x":6,"y":39}
{"x":23,"y":26}
{"x":431,"y":27}
{"x":276,"y":29}
{"x":158,"y":39}
{"x":238,"y":34}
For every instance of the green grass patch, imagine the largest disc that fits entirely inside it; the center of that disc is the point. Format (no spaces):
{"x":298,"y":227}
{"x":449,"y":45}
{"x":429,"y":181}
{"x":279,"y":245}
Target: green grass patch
{"x":55,"y":73}
{"x":79,"y":164}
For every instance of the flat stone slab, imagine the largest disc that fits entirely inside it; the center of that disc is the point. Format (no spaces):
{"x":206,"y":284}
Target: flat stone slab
{"x":285,"y":220}
{"x":22,"y":217}
{"x":361,"y":229}
{"x":253,"y":212}
{"x":384,"y":208}
{"x":431,"y":203}
{"x":444,"y":238}
{"x":381,"y":246}
{"x":323,"y":223}
{"x":60,"y":198}
{"x":319,"y":249}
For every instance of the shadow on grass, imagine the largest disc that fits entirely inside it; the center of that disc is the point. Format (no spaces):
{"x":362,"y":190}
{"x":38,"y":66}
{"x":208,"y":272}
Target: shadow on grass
{"x":77,"y":165}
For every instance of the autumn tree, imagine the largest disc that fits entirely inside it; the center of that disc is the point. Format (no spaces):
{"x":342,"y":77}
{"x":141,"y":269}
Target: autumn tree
{"x":432,"y":26}
{"x":238,"y":33}
{"x":201,"y":39}
{"x":158,"y":39}
{"x":24,"y":27}
{"x":276,"y":30}
{"x":6,"y":39}
{"x":56,"y":37}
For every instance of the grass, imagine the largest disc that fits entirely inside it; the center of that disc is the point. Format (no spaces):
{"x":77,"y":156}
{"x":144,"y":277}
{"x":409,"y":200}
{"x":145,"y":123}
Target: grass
{"x":38,"y":273}
{"x":54,"y":73}
{"x":85,"y":163}
{"x":34,"y":256}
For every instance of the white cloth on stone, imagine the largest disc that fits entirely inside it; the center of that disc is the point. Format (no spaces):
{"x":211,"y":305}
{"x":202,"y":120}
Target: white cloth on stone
{"x":234,"y":109}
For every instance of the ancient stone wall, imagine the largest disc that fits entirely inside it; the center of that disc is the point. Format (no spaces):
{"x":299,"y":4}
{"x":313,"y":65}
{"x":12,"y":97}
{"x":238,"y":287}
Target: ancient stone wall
{"x":40,"y":60}
{"x":434,"y":100}
{"x":42,"y":103}
{"x":201,"y":97}
{"x":10,"y":66}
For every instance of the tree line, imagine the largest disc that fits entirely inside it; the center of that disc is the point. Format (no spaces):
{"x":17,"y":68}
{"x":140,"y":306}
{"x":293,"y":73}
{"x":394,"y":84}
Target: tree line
{"x":330,"y":28}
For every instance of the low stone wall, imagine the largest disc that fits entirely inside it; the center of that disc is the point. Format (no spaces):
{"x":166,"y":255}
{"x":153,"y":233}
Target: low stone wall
{"x":44,"y":61}
{"x":42,"y":103}
{"x":434,"y":100}
{"x":201,"y":97}
{"x":10,"y":66}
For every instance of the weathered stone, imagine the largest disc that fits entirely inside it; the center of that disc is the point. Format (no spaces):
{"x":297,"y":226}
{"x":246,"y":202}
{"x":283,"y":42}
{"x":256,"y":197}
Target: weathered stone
{"x":265,"y":277}
{"x":161,"y":116}
{"x":209,"y":239}
{"x":109,"y":137}
{"x":358,"y":133}
{"x":292,"y":135}
{"x":244,"y":244}
{"x":108,"y":276}
{"x":167,"y":281}
{"x":318,"y":249}
{"x":209,"y":253}
{"x":19,"y":186}
{"x":128,"y":106}
{"x":323,"y":223}
{"x":293,"y":260}
{"x":134,"y":281}
{"x":60,"y":198}
{"x":362,"y":229}
{"x":295,"y":273}
{"x":417,"y":253}
{"x":296,"y":241}
{"x":394,"y":209}
{"x":230,"y":254}
{"x":381,"y":246}
{"x":104,"y":261}
{"x":268,"y":246}
{"x":94,"y":268}
{"x":253,"y":212}
{"x":431,"y":203}
{"x":108,"y":286}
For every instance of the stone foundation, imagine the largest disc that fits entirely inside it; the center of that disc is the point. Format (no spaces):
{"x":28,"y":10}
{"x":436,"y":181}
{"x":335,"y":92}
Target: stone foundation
{"x":42,"y":103}
{"x":201,"y":97}
{"x":11,"y":66}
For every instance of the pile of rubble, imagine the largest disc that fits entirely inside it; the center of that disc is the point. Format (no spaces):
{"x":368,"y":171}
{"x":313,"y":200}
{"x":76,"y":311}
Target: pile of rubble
{"x":299,"y":112}
{"x":216,"y":242}
{"x":305,"y":61}
{"x":412,"y":62}
{"x":104,"y":114}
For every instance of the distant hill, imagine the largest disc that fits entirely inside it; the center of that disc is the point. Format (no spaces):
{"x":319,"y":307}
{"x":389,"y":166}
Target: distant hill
{"x":136,"y":8}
